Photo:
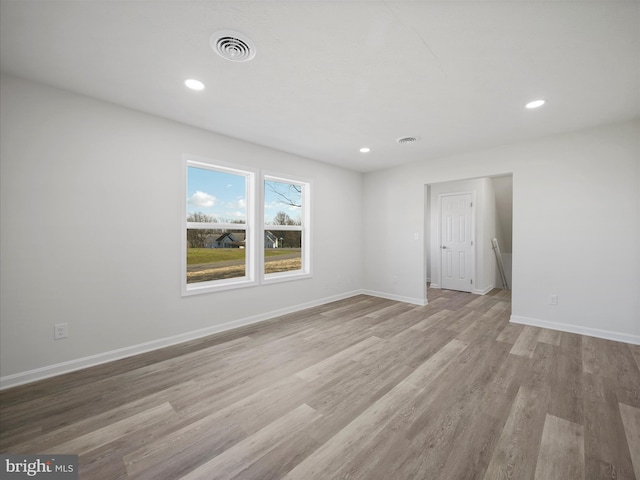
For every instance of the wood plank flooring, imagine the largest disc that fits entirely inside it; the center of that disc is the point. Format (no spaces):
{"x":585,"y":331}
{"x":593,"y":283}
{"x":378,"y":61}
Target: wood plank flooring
{"x":363,"y":388}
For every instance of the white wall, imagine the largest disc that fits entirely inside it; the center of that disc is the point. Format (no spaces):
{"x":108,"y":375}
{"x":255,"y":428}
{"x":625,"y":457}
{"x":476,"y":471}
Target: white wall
{"x":427,"y":233}
{"x":91,"y":231}
{"x":575,"y":227}
{"x":487,"y":268}
{"x":503,"y":188}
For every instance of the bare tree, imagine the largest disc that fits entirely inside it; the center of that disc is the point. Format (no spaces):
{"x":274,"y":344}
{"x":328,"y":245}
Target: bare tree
{"x":288,"y":238}
{"x":200,"y":217}
{"x":289,"y":193}
{"x":282,"y":218}
{"x":197,"y":238}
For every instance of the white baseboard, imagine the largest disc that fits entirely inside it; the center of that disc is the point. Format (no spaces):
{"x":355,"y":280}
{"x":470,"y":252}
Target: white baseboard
{"x":483,"y":292}
{"x":434,"y":285}
{"x":93,"y":360}
{"x":399,"y":298}
{"x":565,"y":327}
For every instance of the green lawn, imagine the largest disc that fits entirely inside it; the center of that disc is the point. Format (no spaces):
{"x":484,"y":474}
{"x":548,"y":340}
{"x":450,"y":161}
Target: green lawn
{"x":196,"y":256}
{"x":274,"y":252}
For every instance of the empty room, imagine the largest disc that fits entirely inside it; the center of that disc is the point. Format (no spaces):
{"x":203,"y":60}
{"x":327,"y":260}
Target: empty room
{"x":378,"y":240}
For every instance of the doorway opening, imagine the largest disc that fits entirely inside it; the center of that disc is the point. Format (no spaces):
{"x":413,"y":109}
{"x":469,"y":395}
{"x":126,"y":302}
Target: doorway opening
{"x":462,"y":219}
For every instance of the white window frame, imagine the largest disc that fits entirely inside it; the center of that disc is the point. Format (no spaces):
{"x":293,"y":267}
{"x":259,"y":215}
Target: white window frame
{"x":254,"y":228}
{"x":251,"y":227}
{"x":304,"y":228}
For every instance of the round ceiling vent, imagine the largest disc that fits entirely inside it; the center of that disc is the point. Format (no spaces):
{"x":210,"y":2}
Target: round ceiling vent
{"x":407,"y":139}
{"x":233,"y":46}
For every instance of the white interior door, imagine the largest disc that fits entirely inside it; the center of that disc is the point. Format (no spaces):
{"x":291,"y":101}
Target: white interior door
{"x":456,"y":242}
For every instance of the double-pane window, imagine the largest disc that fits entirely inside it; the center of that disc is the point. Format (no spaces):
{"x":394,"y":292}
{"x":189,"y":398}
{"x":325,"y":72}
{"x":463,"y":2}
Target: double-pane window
{"x":224,"y":246}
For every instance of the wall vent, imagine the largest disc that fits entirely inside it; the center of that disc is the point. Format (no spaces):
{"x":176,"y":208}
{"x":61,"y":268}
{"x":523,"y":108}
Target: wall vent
{"x":407,"y":139}
{"x":233,"y":46}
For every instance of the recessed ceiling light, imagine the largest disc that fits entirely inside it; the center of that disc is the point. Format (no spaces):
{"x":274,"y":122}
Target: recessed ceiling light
{"x":194,"y":84}
{"x":535,"y":104}
{"x":365,"y":150}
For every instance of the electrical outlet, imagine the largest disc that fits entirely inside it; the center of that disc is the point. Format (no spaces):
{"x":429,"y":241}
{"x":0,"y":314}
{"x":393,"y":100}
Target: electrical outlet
{"x":553,"y":299}
{"x":60,"y":330}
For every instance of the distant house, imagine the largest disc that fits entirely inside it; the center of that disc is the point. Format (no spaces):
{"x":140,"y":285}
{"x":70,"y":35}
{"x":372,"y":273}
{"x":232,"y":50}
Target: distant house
{"x":270,"y":240}
{"x":225,"y":240}
{"x":236,"y":240}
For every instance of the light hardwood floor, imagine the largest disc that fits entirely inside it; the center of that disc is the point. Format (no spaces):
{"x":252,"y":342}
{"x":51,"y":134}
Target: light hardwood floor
{"x":364,"y":388}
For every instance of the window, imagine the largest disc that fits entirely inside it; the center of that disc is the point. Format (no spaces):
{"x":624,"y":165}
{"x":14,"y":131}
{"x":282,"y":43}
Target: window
{"x":286,"y":229}
{"x":223,"y":245}
{"x":219,"y":250}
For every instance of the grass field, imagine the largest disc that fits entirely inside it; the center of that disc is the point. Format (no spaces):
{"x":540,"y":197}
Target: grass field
{"x":197,"y":256}
{"x":234,"y":271}
{"x":206,"y":264}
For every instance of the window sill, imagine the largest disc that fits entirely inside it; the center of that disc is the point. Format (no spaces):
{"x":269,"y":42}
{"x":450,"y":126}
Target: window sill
{"x":210,"y":287}
{"x":284,"y":277}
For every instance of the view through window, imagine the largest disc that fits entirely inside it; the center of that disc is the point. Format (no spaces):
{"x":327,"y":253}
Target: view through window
{"x":216,"y":225}
{"x":224,"y":247}
{"x":283,"y":228}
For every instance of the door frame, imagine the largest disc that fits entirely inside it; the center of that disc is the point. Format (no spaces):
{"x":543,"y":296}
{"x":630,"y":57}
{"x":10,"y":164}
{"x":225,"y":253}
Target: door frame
{"x":436,"y":251}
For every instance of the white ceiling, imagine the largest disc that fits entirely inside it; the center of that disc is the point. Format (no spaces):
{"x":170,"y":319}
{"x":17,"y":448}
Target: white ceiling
{"x":332,"y":76}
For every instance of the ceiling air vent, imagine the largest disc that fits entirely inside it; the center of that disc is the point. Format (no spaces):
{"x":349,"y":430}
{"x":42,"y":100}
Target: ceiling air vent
{"x":233,"y":46}
{"x":407,"y":139}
